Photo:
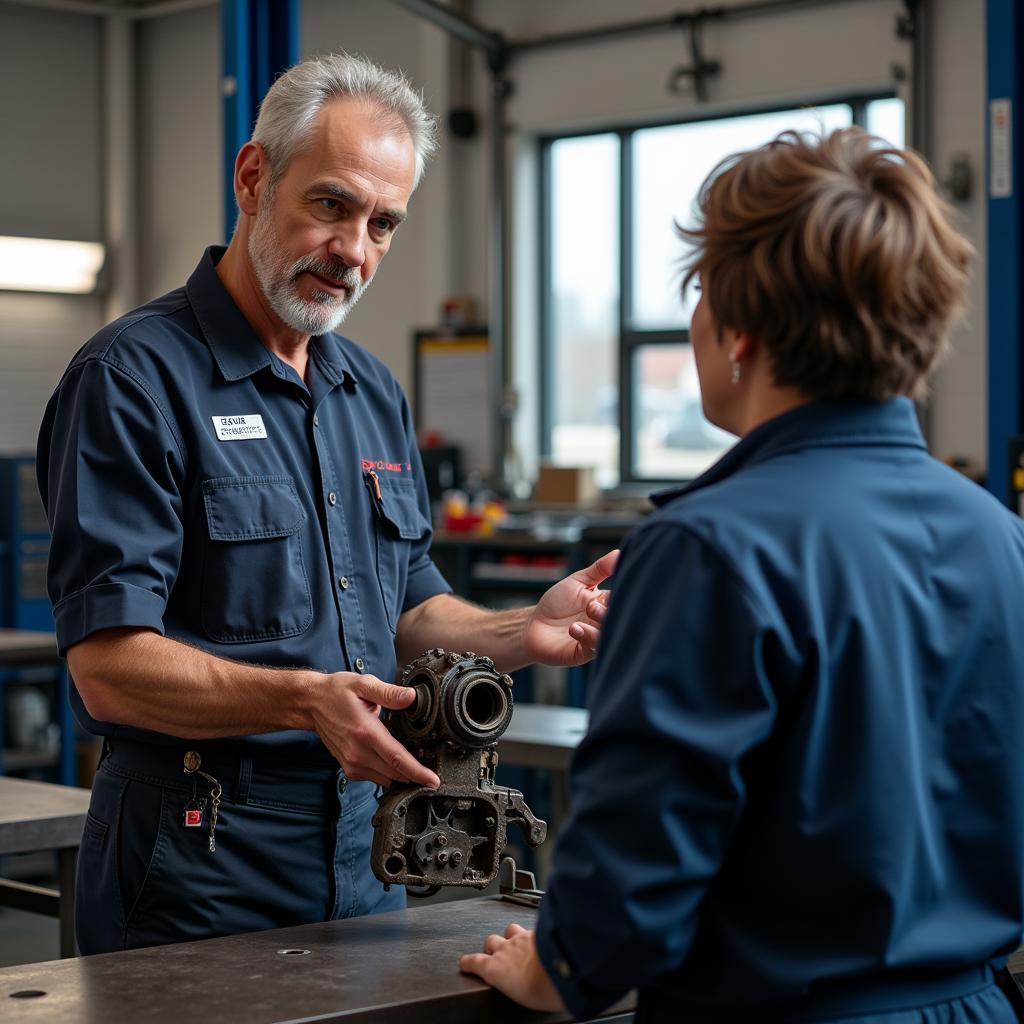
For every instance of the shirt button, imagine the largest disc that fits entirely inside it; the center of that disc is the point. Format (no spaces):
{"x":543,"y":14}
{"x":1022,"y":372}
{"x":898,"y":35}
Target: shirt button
{"x":360,"y":664}
{"x":343,"y":582}
{"x":316,"y":420}
{"x":332,"y":498}
{"x":564,"y":970}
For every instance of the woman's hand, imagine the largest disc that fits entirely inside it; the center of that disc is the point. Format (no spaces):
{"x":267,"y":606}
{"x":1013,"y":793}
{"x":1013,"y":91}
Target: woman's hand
{"x":510,"y":964}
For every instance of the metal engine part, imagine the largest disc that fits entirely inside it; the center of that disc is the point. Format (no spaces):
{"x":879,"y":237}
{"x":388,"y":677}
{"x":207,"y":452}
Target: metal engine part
{"x":453,"y":835}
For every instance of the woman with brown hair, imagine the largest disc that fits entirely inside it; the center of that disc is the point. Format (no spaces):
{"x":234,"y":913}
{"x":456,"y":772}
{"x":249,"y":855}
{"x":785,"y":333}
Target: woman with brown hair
{"x":801,"y":795}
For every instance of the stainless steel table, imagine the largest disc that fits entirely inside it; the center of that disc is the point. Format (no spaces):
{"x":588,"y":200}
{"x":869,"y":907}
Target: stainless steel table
{"x":40,"y":816}
{"x":542,"y":736}
{"x":394,"y":968}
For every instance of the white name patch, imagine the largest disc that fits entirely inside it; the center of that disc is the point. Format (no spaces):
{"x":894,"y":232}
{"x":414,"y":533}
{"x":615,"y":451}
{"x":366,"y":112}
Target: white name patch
{"x":239,"y":428}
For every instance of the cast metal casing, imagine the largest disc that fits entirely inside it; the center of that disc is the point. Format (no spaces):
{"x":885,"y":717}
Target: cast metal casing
{"x":453,"y":835}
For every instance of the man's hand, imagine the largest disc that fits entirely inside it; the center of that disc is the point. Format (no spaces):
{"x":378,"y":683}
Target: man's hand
{"x":347,"y":719}
{"x":511,"y":965}
{"x":564,"y":627}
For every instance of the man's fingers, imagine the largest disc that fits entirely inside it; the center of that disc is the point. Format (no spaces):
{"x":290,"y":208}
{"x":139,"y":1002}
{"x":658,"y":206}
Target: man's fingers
{"x":597,"y":572}
{"x":386,"y":695}
{"x":401,"y":765}
{"x":381,"y":769}
{"x":374,"y":749}
{"x":366,"y":775}
{"x":586,"y":636}
{"x":514,"y":929}
{"x":598,"y":609}
{"x":492,"y":943}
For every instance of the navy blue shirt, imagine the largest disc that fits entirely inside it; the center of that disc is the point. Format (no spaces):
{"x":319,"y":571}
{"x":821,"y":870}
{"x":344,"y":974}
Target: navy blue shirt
{"x":195,"y":485}
{"x":804,"y":771}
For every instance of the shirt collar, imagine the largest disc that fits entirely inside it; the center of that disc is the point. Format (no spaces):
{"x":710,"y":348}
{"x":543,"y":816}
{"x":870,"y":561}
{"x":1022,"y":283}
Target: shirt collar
{"x":815,"y":425}
{"x":236,"y":347}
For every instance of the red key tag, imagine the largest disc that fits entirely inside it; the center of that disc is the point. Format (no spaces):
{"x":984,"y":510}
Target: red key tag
{"x":194,"y":813}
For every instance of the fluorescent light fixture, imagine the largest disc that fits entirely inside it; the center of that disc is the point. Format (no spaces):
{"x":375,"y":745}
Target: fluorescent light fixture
{"x":49,"y":265}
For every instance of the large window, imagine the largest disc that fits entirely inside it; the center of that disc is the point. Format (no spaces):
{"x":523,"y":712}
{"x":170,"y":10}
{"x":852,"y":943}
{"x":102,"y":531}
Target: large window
{"x":620,"y":386}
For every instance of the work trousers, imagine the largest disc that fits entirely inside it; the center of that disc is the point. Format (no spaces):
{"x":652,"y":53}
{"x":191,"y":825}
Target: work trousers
{"x":292,"y":847}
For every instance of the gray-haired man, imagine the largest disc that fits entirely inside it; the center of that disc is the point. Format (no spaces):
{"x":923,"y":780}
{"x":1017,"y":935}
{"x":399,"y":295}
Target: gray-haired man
{"x":240,"y":546}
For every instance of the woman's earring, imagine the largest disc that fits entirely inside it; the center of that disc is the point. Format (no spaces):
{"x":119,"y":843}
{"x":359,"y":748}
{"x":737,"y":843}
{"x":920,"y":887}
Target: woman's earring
{"x":737,"y":370}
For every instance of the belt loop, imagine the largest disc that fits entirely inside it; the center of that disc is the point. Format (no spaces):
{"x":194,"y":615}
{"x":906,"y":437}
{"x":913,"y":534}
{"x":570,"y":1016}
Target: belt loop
{"x":105,"y":750}
{"x":244,"y":779}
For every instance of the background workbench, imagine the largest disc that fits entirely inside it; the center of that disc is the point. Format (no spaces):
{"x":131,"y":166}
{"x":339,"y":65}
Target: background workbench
{"x":39,"y":816}
{"x":542,"y":736}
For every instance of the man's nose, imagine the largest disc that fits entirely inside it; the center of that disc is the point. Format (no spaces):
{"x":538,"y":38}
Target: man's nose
{"x":349,"y":244}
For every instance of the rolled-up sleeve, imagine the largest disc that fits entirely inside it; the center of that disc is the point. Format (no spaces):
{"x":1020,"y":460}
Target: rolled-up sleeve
{"x":678,"y":700}
{"x":110,"y":468}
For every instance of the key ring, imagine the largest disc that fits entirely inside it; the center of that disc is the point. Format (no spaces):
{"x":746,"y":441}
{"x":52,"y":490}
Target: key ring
{"x":194,"y":809}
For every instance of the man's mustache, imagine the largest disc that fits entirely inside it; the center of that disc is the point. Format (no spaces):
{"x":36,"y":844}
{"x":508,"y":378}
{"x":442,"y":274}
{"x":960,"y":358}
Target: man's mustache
{"x":333,"y":270}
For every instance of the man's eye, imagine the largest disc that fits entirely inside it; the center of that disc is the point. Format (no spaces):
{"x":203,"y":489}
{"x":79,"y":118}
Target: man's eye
{"x":329,"y":204}
{"x":383,"y":225}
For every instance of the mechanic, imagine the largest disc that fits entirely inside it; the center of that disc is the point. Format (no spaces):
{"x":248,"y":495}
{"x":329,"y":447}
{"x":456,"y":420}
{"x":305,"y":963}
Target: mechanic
{"x":240,"y":546}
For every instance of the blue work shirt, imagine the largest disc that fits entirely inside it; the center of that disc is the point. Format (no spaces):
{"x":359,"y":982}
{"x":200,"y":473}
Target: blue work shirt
{"x":801,"y":795}
{"x":196,"y":486}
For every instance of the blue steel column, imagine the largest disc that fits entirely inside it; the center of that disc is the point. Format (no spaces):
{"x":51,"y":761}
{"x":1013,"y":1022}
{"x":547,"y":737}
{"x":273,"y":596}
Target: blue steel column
{"x":1005,"y":382}
{"x":259,"y":40}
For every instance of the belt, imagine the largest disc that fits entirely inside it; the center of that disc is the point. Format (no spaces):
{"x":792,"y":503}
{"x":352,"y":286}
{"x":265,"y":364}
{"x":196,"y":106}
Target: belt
{"x":244,"y":776}
{"x":904,"y":990}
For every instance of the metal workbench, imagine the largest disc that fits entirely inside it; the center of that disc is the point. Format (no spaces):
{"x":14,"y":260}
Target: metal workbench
{"x":542,"y":736}
{"x":40,"y":816}
{"x":397,"y":968}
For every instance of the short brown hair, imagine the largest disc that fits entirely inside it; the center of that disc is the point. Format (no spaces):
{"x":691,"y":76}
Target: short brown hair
{"x":839,"y":255}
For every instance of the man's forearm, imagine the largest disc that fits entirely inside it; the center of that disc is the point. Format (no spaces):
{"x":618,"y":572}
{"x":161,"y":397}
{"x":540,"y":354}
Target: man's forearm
{"x":142,"y":679}
{"x":456,"y":625}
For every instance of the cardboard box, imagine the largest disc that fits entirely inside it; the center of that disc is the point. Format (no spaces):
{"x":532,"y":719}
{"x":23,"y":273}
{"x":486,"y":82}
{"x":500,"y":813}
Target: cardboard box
{"x":565,"y":485}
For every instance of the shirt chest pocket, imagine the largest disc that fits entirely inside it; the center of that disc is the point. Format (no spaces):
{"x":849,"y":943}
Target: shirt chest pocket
{"x":255,"y":585}
{"x":399,"y":522}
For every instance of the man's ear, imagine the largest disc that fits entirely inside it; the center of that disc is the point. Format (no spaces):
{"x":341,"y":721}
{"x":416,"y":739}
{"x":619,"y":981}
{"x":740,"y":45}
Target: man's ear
{"x":252,"y":170}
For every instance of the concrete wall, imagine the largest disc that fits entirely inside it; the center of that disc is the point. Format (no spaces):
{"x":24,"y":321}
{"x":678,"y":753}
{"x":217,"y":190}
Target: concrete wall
{"x":959,"y":407}
{"x":55,"y":185}
{"x":178,"y":124}
{"x":50,"y":187}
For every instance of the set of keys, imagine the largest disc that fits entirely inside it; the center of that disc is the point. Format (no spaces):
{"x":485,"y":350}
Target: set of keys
{"x":195,"y":809}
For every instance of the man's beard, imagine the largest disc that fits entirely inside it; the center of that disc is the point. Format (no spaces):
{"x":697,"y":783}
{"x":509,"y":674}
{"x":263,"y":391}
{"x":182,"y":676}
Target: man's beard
{"x":320,"y":313}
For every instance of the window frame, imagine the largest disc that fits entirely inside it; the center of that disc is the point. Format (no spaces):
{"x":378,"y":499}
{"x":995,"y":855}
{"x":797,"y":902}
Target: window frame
{"x":631,"y":339}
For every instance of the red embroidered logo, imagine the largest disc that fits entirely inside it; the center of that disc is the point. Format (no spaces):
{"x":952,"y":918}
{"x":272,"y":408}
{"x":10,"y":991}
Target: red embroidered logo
{"x":390,"y":467}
